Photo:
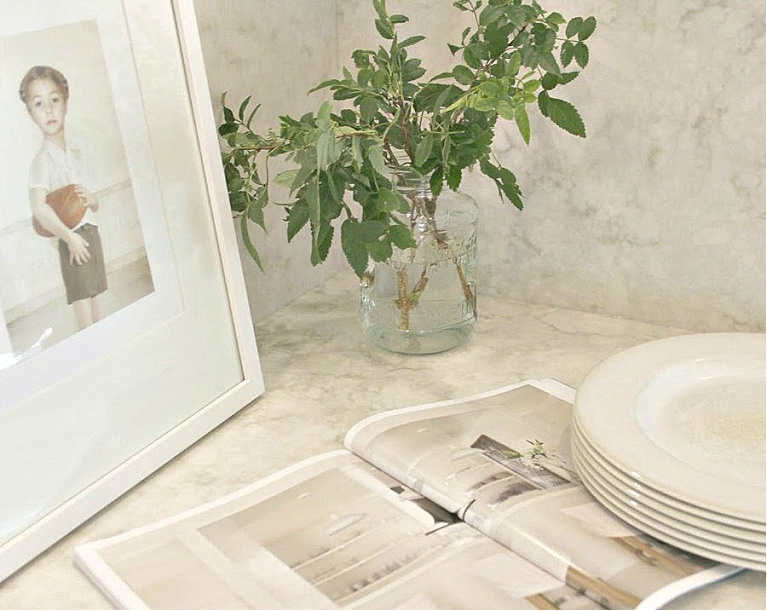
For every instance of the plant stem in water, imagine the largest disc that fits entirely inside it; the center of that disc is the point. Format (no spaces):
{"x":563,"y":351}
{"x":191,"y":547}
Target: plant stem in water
{"x":403,"y":299}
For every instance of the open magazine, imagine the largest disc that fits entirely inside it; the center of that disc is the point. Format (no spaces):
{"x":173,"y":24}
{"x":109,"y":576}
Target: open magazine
{"x":471,"y":503}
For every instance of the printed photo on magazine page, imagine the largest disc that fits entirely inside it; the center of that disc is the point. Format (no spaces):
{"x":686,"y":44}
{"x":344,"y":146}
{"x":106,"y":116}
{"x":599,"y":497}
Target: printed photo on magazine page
{"x":334,"y":532}
{"x":501,"y":462}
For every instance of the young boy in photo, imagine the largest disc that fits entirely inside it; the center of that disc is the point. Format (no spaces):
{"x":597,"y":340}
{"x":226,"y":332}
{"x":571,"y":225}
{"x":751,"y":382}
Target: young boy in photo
{"x":58,"y":163}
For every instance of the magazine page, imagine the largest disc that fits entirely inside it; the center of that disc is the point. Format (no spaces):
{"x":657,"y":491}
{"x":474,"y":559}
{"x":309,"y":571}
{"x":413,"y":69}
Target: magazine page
{"x":331,"y":532}
{"x":501,"y":462}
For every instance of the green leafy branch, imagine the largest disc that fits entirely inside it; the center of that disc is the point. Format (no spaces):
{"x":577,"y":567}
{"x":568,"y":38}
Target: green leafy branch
{"x":515,"y":56}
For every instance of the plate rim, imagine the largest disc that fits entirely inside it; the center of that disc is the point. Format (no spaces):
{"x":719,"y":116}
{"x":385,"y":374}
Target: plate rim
{"x":660,"y":519}
{"x":674,"y":503}
{"x":629,"y":372}
{"x":671,"y":539}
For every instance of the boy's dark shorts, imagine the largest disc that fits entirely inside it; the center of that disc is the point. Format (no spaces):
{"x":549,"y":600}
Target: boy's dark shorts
{"x":89,"y":279}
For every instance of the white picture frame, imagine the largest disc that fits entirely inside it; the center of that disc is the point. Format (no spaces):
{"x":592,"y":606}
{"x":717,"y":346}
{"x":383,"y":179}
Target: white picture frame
{"x":135,"y":389}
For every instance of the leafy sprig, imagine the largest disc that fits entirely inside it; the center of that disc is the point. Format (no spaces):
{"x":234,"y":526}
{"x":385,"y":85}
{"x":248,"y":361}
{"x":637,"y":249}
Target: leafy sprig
{"x":515,"y":56}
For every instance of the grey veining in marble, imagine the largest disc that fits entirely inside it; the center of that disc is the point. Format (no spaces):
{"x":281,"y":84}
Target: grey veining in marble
{"x":321,"y":378}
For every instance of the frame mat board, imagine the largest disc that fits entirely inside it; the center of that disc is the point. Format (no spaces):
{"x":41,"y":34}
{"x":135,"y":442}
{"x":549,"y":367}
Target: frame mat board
{"x":162,"y":381}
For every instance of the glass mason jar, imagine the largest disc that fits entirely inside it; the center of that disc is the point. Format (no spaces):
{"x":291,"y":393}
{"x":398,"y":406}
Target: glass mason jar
{"x":423,"y":299}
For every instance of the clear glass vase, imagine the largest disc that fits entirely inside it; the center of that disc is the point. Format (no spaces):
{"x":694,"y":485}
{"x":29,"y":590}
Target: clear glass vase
{"x":423,"y":299}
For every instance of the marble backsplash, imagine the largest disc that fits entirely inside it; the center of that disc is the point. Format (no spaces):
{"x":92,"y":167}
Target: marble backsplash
{"x":274,"y":50}
{"x":658,"y":215}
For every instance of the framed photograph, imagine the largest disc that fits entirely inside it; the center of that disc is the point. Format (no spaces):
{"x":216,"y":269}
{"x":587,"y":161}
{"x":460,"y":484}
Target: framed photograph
{"x":125,"y":333}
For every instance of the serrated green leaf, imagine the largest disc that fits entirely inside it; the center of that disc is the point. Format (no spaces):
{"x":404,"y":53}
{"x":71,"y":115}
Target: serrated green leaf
{"x":380,"y":9}
{"x":565,"y":115}
{"x":549,"y":81}
{"x":357,"y":152}
{"x":375,"y":154}
{"x":548,"y":62}
{"x":235,"y":183}
{"x":581,"y":54}
{"x":243,"y":106}
{"x":412,"y":70}
{"x":504,"y":180}
{"x":401,"y":237}
{"x":543,"y":100}
{"x":523,"y":123}
{"x":332,"y":193}
{"x":433,"y":97}
{"x":379,"y":251}
{"x":403,"y":205}
{"x":249,"y":246}
{"x":515,"y":63}
{"x":286,"y":178}
{"x":556,"y":18}
{"x":322,"y":239}
{"x":574,"y":26}
{"x":471,"y":56}
{"x":354,"y":250}
{"x":255,"y":212}
{"x":252,"y":114}
{"x":484,"y":104}
{"x":368,"y":108}
{"x":491,"y":89}
{"x":238,"y":202}
{"x":463,"y":74}
{"x":363,"y":77}
{"x":435,"y":182}
{"x":325,"y":84}
{"x":490,"y":14}
{"x":423,"y":150}
{"x":587,"y":28}
{"x":532,"y":85}
{"x":384,"y":29}
{"x":298,"y":216}
{"x":389,"y":201}
{"x":312,"y":199}
{"x":411,"y":41}
{"x":345,"y":93}
{"x":305,"y":171}
{"x":344,"y":130}
{"x":370,"y":231}
{"x":453,"y":178}
{"x":566,"y":77}
{"x":325,"y":149}
{"x":227,"y":128}
{"x":505,"y":109}
{"x":323,"y":114}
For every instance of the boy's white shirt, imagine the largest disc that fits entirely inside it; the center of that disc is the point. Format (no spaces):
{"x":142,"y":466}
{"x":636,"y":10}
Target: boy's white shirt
{"x":54,"y":167}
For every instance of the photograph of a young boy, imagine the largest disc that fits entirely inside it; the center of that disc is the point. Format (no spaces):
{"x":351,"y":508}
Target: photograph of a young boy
{"x":45,"y":92}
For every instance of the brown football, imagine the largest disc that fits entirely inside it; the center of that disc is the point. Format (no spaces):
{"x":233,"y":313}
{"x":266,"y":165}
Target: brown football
{"x":67,"y":204}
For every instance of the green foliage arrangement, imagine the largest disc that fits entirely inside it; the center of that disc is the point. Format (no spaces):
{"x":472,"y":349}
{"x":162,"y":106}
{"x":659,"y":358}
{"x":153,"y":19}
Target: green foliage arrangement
{"x":515,"y":55}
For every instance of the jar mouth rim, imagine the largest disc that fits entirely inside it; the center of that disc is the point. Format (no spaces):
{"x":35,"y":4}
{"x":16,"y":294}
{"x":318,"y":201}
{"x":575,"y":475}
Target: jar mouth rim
{"x":409,"y":173}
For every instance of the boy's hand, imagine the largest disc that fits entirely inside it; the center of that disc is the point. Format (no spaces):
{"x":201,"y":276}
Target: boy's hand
{"x":88,"y":199}
{"x":78,"y":249}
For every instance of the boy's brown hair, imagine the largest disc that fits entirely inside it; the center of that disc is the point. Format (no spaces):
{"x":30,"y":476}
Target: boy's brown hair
{"x":36,"y":73}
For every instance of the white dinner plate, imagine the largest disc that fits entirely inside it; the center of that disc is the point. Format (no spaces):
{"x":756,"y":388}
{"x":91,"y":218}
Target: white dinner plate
{"x":680,"y":527}
{"x":686,"y":416}
{"x":718,"y":553}
{"x":752,"y":531}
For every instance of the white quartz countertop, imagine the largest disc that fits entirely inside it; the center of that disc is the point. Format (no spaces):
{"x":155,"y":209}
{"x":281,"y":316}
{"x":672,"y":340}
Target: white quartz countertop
{"x":321,"y":378}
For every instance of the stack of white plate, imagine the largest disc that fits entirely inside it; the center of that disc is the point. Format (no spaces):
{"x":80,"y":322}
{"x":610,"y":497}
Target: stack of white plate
{"x":670,"y":437}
